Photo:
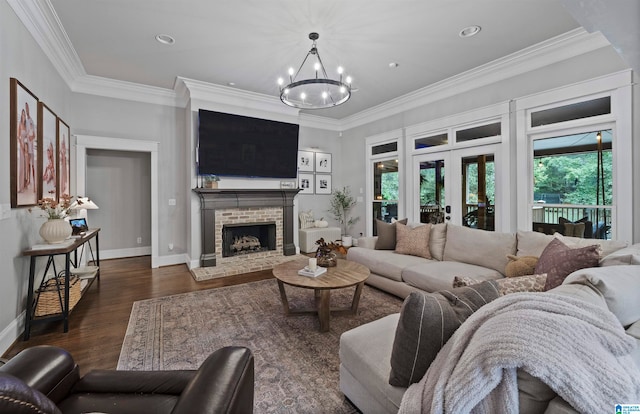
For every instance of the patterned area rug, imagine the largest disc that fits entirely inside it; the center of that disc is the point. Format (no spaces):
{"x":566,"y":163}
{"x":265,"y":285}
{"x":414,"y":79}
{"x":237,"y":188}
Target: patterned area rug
{"x":296,"y":366}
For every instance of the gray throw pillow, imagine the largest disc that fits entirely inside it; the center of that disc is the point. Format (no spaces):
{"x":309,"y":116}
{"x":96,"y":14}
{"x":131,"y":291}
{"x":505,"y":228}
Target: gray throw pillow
{"x":387,"y":234}
{"x":427,"y":321}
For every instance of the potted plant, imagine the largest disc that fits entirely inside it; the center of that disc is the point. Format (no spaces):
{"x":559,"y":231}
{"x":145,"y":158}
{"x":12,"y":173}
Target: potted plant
{"x":210,"y":181}
{"x":341,"y":204}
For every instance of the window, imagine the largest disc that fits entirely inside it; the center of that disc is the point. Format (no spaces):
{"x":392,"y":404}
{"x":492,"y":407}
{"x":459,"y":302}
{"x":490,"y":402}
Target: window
{"x":572,"y":184}
{"x":385,"y":190}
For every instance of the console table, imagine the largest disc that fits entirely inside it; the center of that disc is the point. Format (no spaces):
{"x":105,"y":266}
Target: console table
{"x":68,"y":249}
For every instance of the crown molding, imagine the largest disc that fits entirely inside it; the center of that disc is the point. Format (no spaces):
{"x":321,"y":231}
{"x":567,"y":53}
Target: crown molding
{"x":112,"y":88}
{"x":556,"y":49}
{"x":41,"y":20}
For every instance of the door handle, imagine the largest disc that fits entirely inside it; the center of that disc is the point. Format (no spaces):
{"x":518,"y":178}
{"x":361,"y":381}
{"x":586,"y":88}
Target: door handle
{"x":447,"y":209}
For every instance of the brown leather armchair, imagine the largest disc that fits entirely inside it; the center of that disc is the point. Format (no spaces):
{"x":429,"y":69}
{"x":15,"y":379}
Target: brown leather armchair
{"x":45,"y":379}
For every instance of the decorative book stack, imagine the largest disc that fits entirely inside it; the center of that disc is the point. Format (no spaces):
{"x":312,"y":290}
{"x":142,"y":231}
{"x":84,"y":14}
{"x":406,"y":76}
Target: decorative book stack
{"x":310,"y":273}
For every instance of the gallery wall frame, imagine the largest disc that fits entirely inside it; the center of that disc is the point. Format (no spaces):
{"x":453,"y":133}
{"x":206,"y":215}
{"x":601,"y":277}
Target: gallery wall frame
{"x":47,"y":152}
{"x":306,"y":161}
{"x":64,"y":158}
{"x":323,"y":183}
{"x":23,"y":145}
{"x":323,"y":162}
{"x":305,"y":183}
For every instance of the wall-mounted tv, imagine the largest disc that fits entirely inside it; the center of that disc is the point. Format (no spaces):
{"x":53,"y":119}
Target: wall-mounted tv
{"x":241,"y":146}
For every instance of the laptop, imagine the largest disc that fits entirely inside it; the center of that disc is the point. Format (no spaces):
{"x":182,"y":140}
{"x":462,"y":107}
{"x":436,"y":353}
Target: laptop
{"x":78,"y":226}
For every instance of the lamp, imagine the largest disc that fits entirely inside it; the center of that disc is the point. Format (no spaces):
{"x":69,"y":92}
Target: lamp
{"x":82,"y":204}
{"x":318,"y":91}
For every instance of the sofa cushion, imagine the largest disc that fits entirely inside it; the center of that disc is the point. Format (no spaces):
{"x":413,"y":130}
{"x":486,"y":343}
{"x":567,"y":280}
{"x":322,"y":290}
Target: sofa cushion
{"x":619,"y":285}
{"x":627,"y":256}
{"x":387,"y":234}
{"x":385,"y":263}
{"x":427,"y":321}
{"x":479,"y":247}
{"x":606,"y":246}
{"x":532,"y":243}
{"x":413,"y":241}
{"x":434,"y":276}
{"x":527,"y":283}
{"x":372,"y":367}
{"x":437,"y":240}
{"x":559,"y":260}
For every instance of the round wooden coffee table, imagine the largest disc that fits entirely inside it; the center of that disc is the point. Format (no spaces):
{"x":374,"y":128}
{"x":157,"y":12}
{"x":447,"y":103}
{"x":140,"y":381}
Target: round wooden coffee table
{"x":344,"y":275}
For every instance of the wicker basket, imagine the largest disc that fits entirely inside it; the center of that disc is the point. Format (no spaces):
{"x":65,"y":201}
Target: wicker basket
{"x":51,"y":295}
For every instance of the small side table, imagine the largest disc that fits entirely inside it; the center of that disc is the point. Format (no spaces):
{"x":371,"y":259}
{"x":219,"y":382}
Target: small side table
{"x":50,"y":253}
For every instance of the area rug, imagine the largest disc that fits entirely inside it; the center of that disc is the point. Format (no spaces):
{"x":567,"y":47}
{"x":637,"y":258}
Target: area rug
{"x":296,"y":366}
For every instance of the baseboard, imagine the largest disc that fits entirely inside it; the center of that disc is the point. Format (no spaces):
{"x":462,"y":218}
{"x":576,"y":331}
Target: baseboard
{"x":174,"y":259}
{"x":120,"y":253}
{"x":12,"y":332}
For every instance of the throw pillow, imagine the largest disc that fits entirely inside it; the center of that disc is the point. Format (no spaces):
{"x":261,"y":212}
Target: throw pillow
{"x":306,"y":219}
{"x":387,"y":234}
{"x":427,"y":321}
{"x":520,"y":265}
{"x":574,"y":229}
{"x":559,"y":260}
{"x":527,"y":283}
{"x":413,"y":241}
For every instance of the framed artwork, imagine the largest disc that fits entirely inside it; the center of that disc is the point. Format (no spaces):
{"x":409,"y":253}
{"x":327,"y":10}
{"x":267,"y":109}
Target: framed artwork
{"x":323,"y":162}
{"x":305,"y":161}
{"x":305,"y":183}
{"x":323,"y":183}
{"x":48,"y":152}
{"x":64,"y":155}
{"x":23,"y":145}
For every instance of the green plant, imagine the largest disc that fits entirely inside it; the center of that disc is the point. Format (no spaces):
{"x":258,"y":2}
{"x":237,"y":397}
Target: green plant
{"x":341,"y":204}
{"x":208,"y":178}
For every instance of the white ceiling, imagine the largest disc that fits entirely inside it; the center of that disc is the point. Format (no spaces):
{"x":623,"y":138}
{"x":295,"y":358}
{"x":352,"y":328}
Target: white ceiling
{"x":252,"y":43}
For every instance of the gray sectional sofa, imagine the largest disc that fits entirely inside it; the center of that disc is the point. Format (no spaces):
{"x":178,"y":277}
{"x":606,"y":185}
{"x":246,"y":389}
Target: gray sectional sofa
{"x":365,"y":351}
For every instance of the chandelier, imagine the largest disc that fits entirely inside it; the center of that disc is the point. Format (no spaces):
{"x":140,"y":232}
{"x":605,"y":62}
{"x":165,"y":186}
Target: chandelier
{"x":318,"y":91}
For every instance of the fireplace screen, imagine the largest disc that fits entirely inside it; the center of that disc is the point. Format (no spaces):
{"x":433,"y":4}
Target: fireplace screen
{"x":246,"y":238}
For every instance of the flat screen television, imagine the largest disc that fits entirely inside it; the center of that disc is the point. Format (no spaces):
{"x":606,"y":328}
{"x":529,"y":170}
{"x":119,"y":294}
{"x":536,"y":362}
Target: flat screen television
{"x":241,"y":146}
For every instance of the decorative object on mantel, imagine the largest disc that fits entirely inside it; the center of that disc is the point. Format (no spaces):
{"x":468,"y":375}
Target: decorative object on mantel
{"x":210,"y":181}
{"x":317,"y":91}
{"x":341,"y":204}
{"x":321,"y":224}
{"x":56,"y":229}
{"x":326,"y":253}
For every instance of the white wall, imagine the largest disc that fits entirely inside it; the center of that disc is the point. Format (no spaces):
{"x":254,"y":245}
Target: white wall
{"x":22,"y":58}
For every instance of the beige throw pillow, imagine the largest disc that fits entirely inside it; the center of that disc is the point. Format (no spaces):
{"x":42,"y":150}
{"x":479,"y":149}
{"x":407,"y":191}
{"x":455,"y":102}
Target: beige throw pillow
{"x":306,"y":219}
{"x":413,"y":241}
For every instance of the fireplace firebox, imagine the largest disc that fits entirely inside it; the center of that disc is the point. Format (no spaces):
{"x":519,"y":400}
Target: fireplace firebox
{"x":245,"y":238}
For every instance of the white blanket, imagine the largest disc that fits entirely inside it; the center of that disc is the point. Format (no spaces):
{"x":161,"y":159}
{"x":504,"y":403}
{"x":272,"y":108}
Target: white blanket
{"x":580,"y":350}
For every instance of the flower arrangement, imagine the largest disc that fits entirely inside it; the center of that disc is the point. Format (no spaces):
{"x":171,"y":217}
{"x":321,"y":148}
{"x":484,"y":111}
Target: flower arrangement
{"x":54,"y":209}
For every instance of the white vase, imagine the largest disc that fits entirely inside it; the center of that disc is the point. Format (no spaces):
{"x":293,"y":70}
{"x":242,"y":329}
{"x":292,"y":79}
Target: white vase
{"x":55,"y":230}
{"x":347,"y":241}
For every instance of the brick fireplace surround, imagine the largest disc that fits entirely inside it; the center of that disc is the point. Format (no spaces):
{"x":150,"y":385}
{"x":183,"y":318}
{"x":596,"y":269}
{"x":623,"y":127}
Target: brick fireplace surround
{"x":220,"y":206}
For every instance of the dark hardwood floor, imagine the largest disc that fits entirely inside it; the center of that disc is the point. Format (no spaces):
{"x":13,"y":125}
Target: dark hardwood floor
{"x":99,"y":321}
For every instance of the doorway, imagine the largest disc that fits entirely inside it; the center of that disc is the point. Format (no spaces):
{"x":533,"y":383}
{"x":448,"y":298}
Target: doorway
{"x":84,"y":143}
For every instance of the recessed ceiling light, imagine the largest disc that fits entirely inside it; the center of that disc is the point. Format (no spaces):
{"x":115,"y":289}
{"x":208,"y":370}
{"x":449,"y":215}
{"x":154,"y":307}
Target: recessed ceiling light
{"x":393,"y":65}
{"x":231,"y":83}
{"x":470,"y":31}
{"x":165,"y":39}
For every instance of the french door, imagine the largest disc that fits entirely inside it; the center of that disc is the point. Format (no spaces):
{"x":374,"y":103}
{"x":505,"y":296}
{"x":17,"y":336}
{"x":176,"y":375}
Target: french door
{"x":458,"y":186}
